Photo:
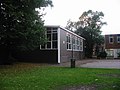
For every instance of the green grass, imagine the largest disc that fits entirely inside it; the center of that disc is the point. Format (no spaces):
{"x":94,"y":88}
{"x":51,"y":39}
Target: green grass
{"x":35,"y":77}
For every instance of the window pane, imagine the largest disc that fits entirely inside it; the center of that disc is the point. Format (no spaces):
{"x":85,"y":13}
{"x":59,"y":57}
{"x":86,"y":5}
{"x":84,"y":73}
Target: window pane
{"x":48,"y":44}
{"x":67,"y":46}
{"x":48,"y":31}
{"x":54,"y":44}
{"x":74,"y":46}
{"x":81,"y":44}
{"x":54,"y":36}
{"x":42,"y":46}
{"x":49,"y":37}
{"x":70,"y":46}
{"x":81,"y":41}
{"x":77,"y":41}
{"x":69,"y":41}
{"x":67,"y":38}
{"x":78,"y":47}
{"x":118,"y":39}
{"x":55,"y":29}
{"x":73,"y":40}
{"x":111,"y":39}
{"x":48,"y":28}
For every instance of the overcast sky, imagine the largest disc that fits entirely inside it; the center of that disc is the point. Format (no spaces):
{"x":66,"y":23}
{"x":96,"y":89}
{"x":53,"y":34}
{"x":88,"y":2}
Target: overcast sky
{"x":64,"y":10}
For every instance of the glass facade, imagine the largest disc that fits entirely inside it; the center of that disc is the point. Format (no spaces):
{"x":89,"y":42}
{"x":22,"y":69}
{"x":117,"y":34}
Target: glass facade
{"x":69,"y":42}
{"x":52,"y":37}
{"x":74,"y":43}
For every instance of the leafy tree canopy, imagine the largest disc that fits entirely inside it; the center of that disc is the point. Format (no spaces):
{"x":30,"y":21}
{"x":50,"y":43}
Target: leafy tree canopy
{"x":88,"y":26}
{"x":21,"y":24}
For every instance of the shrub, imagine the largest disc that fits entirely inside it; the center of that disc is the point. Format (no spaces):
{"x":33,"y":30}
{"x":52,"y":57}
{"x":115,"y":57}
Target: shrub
{"x":102,"y":54}
{"x":118,"y":54}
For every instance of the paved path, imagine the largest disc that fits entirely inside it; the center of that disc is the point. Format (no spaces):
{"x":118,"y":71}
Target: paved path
{"x":103,"y":64}
{"x":94,"y":63}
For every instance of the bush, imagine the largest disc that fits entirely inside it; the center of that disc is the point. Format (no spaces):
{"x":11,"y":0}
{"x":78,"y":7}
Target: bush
{"x":102,"y":54}
{"x":118,"y":54}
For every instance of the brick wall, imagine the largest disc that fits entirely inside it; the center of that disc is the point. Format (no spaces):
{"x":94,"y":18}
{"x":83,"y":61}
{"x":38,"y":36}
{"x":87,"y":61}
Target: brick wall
{"x":113,"y":45}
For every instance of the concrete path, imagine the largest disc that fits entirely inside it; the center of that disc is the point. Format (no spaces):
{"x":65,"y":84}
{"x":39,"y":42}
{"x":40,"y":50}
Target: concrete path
{"x":103,"y":64}
{"x":93,"y":63}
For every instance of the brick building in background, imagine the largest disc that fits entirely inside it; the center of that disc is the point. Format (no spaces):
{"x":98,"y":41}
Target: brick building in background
{"x":112,"y":45}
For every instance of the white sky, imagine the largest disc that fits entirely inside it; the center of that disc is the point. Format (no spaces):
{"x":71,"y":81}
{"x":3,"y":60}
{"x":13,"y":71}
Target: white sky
{"x":64,"y":10}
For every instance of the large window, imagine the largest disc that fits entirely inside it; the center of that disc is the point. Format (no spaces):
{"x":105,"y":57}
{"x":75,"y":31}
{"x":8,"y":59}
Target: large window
{"x":110,"y":52}
{"x":74,"y":43}
{"x":81,"y":44}
{"x":78,"y":44}
{"x":111,"y":39}
{"x":54,"y":39}
{"x":51,"y":39}
{"x":118,"y":39}
{"x":69,"y":41}
{"x":49,"y":34}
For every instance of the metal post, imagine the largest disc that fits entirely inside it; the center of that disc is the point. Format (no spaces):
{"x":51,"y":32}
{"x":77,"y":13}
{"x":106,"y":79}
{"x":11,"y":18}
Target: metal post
{"x":72,"y":60}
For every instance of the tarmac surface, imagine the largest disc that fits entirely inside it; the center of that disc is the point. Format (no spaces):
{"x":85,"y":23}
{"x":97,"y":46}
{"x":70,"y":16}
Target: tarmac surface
{"x":103,"y":64}
{"x":95,"y":63}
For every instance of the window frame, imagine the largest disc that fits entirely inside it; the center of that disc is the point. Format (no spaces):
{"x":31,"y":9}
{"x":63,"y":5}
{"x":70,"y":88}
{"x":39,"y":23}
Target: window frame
{"x":118,"y":39}
{"x":74,"y":42}
{"x":51,"y":31}
{"x":69,"y":41}
{"x":111,"y":37}
{"x":81,"y":44}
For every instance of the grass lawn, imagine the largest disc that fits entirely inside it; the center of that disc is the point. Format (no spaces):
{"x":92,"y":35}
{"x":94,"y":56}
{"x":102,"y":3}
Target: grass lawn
{"x":37,"y":77}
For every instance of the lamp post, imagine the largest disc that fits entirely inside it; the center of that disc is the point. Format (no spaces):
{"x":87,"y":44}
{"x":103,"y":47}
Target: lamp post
{"x":72,"y":59}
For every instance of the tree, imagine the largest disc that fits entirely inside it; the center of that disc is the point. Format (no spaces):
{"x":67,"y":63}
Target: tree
{"x":70,"y":25}
{"x":89,"y":26}
{"x":22,"y":27}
